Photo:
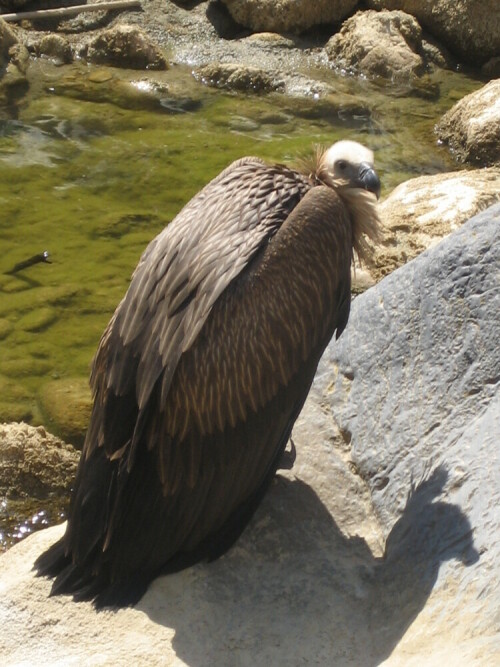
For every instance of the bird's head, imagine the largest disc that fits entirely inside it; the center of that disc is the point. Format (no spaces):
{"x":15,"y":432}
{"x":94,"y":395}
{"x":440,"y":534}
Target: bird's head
{"x":347,"y":167}
{"x":348,"y":164}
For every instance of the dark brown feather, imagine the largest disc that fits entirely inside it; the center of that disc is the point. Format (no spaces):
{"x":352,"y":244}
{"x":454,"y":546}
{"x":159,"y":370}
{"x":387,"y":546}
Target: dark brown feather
{"x":200,"y":375}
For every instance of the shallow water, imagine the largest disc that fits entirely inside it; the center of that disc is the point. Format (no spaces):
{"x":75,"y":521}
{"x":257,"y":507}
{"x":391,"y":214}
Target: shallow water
{"x":94,"y":162}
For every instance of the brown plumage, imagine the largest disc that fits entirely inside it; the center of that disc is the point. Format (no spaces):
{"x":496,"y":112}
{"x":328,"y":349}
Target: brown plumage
{"x":204,"y":368}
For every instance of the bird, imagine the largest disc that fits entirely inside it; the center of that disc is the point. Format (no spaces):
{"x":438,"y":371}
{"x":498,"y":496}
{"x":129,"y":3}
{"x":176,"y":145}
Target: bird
{"x":205,"y":366}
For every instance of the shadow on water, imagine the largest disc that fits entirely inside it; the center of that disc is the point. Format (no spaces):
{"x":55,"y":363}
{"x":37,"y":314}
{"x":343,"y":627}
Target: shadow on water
{"x":295,"y":590}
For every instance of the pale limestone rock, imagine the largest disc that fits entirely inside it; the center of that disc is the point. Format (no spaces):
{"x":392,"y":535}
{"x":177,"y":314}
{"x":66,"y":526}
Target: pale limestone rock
{"x":471,"y":128}
{"x":125,"y":46}
{"x":55,"y":47}
{"x":379,"y":44}
{"x":7,"y":40}
{"x":420,"y":212}
{"x":292,"y":16}
{"x":469,"y":28}
{"x":34,"y":463}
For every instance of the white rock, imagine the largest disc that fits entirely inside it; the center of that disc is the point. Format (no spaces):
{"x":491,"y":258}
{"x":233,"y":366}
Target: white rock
{"x":419,"y":213}
{"x":472,"y":126}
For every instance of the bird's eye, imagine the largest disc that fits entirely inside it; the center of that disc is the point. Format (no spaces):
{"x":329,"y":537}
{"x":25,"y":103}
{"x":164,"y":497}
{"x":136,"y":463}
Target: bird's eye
{"x":342,"y":165}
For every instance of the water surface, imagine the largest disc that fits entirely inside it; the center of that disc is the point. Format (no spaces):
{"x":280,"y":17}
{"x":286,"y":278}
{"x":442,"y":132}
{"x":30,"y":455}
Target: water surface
{"x":95,"y":162}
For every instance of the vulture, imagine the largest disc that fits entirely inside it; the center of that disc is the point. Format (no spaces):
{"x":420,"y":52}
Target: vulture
{"x":205,"y":366}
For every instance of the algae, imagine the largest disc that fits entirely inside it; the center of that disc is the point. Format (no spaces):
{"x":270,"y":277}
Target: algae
{"x":95,"y":162}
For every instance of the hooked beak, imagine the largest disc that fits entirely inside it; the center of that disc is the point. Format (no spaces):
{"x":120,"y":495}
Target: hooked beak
{"x":368,"y":179}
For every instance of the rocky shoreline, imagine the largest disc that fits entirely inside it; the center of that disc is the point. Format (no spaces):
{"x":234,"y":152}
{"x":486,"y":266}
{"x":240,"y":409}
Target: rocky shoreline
{"x":257,"y":47}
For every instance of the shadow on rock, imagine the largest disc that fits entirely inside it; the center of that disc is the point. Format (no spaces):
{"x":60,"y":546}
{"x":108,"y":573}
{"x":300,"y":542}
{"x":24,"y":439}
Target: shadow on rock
{"x":428,"y":533}
{"x":294,"y":590}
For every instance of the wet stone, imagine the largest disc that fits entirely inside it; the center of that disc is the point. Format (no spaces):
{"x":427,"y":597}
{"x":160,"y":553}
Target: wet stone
{"x":237,"y":77}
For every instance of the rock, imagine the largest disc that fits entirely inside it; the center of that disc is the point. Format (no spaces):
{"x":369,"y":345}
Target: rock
{"x":13,"y":66}
{"x":422,"y":211}
{"x":491,"y":68}
{"x":469,"y":28}
{"x":19,"y":58}
{"x":7,"y":40}
{"x":434,"y":52}
{"x":416,"y":389}
{"x":379,"y":44}
{"x":66,"y":405}
{"x":34,"y":463}
{"x":330,"y":106}
{"x":292,"y":16}
{"x":271,"y":40}
{"x":104,"y":84}
{"x":237,"y":77}
{"x":55,"y":47}
{"x":402,"y":419}
{"x":472,"y":127}
{"x":125,"y":46}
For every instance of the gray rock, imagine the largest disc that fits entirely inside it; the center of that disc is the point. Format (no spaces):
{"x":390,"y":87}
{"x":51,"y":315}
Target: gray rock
{"x":416,"y":389}
{"x":469,"y":28}
{"x":380,"y":545}
{"x":379,"y":44}
{"x":292,"y":16}
{"x":472,"y":127}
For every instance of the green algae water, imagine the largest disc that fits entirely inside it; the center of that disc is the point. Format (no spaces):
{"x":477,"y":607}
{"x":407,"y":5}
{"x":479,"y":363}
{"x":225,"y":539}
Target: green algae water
{"x":93,"y":166}
{"x":95,"y":162}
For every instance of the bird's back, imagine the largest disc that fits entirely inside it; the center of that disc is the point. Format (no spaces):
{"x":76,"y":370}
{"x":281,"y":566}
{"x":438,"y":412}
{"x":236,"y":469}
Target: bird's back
{"x":200,"y":376}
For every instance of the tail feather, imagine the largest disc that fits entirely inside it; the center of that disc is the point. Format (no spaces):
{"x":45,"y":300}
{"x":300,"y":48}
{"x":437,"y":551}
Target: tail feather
{"x":51,"y":562}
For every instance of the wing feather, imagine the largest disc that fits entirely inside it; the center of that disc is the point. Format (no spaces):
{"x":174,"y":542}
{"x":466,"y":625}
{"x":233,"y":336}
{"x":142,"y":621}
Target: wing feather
{"x":200,"y":447}
{"x":186,"y":268}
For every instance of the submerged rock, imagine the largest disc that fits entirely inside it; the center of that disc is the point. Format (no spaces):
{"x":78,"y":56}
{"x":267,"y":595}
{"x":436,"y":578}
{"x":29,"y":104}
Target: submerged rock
{"x":293,"y":16}
{"x":380,"y":545}
{"x":125,"y":46}
{"x":379,"y":44}
{"x":472,"y":127}
{"x":237,"y":77}
{"x":422,"y":211}
{"x":106,"y":85}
